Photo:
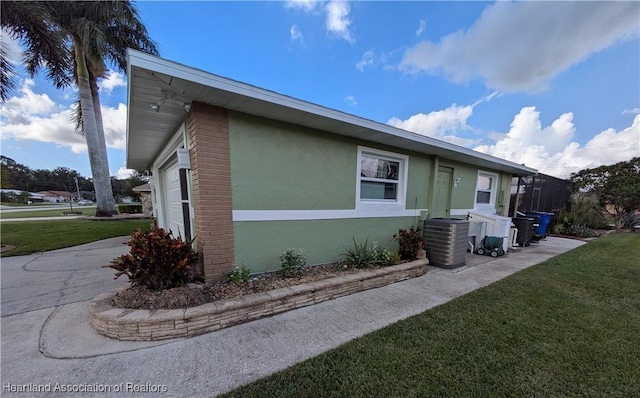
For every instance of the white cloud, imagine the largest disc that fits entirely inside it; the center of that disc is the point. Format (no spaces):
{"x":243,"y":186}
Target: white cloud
{"x":336,"y":12}
{"x":552,"y":150}
{"x":350,"y":100}
{"x":549,"y":149}
{"x":633,"y":111}
{"x":338,"y":21}
{"x":296,"y":34}
{"x":371,"y":59}
{"x":28,"y":103}
{"x":11,"y":46}
{"x":444,"y":124}
{"x":123,"y":173}
{"x":367,"y":60}
{"x":115,"y":126}
{"x":35,"y":117}
{"x":423,"y":24}
{"x":522,"y":45}
{"x":306,"y":5}
{"x":114,"y":79}
{"x":441,"y":124}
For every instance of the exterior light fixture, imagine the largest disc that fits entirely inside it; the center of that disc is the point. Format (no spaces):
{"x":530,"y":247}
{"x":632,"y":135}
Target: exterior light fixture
{"x":169,"y":96}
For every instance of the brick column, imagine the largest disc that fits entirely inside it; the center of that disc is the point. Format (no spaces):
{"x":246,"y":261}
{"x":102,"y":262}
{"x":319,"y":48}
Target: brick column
{"x":208,"y":132}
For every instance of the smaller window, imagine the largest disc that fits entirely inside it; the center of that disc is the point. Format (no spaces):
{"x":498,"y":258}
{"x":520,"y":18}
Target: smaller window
{"x":486,"y":189}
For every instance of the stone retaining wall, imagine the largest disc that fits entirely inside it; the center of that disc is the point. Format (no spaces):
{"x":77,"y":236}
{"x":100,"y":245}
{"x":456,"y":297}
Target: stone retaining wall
{"x":146,"y":325}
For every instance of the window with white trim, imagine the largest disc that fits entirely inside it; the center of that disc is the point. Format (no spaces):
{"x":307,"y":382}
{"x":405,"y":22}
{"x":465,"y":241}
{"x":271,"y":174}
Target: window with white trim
{"x":486,"y":187}
{"x":381,"y":178}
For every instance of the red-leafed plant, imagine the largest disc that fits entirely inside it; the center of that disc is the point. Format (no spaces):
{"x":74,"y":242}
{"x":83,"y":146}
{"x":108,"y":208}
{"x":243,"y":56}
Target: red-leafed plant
{"x":409,"y":242}
{"x":156,"y":260}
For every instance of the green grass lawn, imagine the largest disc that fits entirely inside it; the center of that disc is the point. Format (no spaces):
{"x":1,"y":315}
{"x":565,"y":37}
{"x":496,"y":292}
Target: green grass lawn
{"x":48,"y":213}
{"x":34,"y":236}
{"x":569,"y":327}
{"x":15,"y":204}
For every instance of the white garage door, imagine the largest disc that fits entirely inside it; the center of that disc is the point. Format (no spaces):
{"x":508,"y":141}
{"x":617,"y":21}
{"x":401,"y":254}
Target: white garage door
{"x":173,"y":200}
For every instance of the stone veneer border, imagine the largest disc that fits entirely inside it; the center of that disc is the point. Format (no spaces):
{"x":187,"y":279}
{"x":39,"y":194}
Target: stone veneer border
{"x":150,"y":325}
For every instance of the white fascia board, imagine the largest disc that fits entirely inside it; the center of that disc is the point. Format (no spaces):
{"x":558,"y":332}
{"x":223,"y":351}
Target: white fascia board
{"x":129,"y":85}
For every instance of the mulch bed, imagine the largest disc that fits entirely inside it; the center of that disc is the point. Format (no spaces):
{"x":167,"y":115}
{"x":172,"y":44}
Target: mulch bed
{"x":192,"y":295}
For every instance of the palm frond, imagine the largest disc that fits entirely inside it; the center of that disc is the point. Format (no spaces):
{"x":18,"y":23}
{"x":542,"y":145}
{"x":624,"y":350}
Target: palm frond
{"x":7,"y":74}
{"x":32,"y":24}
{"x":76,"y":117}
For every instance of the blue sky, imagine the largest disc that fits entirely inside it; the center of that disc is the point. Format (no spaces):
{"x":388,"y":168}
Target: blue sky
{"x":554,"y":85}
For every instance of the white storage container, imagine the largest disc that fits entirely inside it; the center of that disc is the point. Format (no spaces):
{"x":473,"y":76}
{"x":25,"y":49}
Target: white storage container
{"x":496,"y":226}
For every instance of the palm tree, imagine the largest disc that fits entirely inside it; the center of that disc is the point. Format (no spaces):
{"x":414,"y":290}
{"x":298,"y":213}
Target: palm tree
{"x":93,"y":32}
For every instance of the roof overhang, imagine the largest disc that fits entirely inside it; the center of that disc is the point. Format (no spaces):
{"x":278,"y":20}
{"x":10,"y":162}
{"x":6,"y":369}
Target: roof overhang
{"x":150,"y":78}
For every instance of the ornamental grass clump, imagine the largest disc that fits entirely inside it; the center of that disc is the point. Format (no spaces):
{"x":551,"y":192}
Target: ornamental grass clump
{"x":360,"y":255}
{"x":157,"y":260}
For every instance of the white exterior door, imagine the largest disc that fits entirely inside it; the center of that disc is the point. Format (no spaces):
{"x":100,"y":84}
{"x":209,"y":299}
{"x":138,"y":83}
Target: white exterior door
{"x":173,"y":200}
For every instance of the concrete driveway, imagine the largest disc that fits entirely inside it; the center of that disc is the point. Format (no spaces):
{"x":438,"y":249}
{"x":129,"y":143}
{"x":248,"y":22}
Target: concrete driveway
{"x":59,"y":277}
{"x":48,"y":346}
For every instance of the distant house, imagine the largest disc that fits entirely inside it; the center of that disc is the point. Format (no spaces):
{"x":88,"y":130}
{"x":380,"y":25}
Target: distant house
{"x":57,"y":196}
{"x":145,"y":198}
{"x":14,"y":194}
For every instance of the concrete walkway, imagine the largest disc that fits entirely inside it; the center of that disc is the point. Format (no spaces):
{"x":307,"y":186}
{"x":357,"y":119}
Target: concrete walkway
{"x":46,"y":338}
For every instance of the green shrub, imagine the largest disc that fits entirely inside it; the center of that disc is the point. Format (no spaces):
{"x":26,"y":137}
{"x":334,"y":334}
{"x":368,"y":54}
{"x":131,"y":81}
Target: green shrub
{"x":156,"y":260}
{"x":410,"y":241}
{"x":239,"y":274}
{"x":292,"y":263}
{"x":571,"y":224}
{"x":131,"y":208}
{"x":586,"y":211}
{"x":579,"y":231}
{"x":383,"y":256}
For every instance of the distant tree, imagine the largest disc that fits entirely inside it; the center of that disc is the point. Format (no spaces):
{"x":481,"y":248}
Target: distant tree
{"x":5,"y":177}
{"x":124,"y":187}
{"x":617,"y":187}
{"x":23,"y":178}
{"x":19,"y":176}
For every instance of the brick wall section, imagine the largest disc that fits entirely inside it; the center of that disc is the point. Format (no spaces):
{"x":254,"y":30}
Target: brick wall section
{"x":145,"y":325}
{"x":208,"y":133}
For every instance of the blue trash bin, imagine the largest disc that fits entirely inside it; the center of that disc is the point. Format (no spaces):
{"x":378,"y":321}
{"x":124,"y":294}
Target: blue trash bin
{"x":543,"y":224}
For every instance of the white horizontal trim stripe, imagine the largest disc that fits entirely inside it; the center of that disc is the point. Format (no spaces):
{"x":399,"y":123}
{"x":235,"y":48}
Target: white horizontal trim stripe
{"x":460,"y":212}
{"x":295,"y":215}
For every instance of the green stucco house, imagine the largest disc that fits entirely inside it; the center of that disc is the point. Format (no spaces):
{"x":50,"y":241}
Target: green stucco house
{"x":249,"y":172}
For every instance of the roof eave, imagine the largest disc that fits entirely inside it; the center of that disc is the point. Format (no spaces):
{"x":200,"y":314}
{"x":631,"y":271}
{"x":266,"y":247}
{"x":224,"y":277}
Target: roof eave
{"x":196,"y":84}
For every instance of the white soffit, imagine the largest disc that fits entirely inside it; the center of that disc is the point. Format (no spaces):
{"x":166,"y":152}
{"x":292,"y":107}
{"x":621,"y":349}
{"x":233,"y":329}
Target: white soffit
{"x":148,"y":130}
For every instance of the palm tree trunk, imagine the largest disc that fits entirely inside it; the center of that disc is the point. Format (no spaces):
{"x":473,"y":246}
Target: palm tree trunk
{"x":100,"y":173}
{"x":102,"y":145}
